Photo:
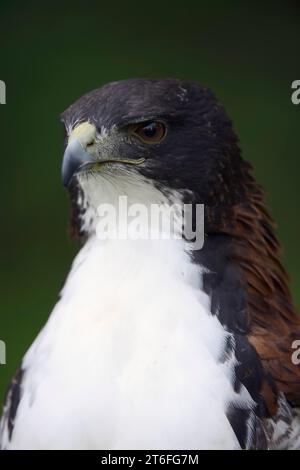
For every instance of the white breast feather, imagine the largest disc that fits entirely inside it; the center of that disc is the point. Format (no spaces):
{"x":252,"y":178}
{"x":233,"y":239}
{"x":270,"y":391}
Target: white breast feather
{"x":129,"y":356}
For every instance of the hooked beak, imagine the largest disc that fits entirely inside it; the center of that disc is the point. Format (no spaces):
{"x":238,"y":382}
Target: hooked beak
{"x":76,"y":154}
{"x":74,"y":158}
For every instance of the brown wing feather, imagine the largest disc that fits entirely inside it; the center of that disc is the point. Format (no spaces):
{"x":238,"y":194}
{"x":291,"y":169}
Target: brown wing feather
{"x":274,"y":324}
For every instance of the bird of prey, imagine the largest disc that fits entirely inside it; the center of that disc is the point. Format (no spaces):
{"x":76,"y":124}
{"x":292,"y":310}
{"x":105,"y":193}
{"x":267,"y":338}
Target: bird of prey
{"x":154,"y":345}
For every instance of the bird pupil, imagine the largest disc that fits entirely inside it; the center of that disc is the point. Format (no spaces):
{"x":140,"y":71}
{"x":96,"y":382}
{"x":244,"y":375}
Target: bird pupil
{"x":150,"y":129}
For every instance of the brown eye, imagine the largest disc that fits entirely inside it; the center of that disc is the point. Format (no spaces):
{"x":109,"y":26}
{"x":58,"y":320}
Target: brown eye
{"x":151,"y":132}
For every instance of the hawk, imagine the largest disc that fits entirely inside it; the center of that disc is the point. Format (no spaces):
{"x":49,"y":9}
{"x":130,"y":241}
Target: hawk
{"x":154,"y":345}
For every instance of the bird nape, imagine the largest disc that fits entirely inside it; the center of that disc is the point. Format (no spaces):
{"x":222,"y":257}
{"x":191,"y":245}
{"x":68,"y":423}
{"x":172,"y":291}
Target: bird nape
{"x":153,"y":344}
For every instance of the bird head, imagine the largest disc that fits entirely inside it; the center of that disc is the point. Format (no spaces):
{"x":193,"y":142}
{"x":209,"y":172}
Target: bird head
{"x":171,"y":135}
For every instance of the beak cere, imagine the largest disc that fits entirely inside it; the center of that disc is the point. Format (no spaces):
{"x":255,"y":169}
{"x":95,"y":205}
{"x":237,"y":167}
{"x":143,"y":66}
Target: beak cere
{"x":76,"y":154}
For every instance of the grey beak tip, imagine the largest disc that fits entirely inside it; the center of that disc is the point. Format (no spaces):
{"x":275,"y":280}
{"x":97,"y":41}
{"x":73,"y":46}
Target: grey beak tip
{"x":74,"y":157}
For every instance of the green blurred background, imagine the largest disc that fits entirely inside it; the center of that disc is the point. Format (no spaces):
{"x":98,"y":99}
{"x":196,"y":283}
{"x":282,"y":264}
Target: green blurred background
{"x":52,"y":52}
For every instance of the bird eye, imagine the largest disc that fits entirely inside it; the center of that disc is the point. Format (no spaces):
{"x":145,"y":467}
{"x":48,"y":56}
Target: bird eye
{"x":151,"y":133}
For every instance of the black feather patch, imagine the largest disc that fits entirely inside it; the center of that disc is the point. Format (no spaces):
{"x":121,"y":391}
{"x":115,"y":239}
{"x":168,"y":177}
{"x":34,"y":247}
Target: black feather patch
{"x":247,"y":428}
{"x":12,"y":401}
{"x":224,"y":284}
